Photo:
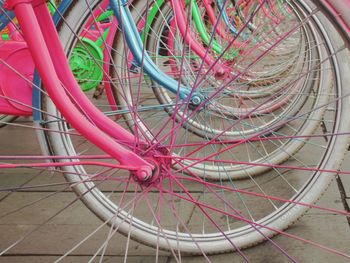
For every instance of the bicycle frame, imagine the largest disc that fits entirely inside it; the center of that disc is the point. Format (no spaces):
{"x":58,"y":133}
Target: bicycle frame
{"x":199,"y":23}
{"x":50,"y":60}
{"x":135,"y":44}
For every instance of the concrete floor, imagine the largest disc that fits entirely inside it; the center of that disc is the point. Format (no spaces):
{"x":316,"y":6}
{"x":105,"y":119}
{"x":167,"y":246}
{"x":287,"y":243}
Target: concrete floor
{"x":71,"y":225}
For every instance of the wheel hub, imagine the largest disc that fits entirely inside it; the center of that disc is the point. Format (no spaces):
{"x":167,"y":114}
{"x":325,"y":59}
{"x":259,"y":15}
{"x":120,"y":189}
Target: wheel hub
{"x":162,"y":164}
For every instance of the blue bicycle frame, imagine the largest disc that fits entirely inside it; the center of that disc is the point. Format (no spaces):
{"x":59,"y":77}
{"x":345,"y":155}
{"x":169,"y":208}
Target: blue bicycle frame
{"x":133,"y":39}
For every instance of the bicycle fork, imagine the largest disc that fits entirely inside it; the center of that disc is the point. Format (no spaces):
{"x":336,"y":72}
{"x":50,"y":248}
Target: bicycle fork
{"x":50,"y":60}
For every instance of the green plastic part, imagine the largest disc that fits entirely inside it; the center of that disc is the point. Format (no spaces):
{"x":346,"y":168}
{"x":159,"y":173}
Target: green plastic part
{"x":105,"y":15}
{"x":87,"y":59}
{"x":52,"y":7}
{"x":152,"y":14}
{"x":86,"y":63}
{"x":100,"y":42}
{"x":5,"y":37}
{"x":196,"y":14}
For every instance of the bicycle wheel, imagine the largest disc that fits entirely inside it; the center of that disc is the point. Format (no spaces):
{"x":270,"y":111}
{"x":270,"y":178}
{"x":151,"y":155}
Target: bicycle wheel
{"x":220,"y":120}
{"x":179,"y":209}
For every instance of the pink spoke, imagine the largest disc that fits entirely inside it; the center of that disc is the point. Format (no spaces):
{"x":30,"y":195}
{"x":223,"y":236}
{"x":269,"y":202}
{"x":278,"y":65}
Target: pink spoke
{"x":260,"y":139}
{"x":186,"y":118}
{"x":236,"y":212}
{"x":58,"y":164}
{"x":275,"y":198}
{"x":315,"y":244}
{"x":209,"y":218}
{"x":173,"y":209}
{"x":290,"y":167}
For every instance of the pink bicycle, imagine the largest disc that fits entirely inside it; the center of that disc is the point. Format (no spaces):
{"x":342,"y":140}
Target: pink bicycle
{"x":179,"y":155}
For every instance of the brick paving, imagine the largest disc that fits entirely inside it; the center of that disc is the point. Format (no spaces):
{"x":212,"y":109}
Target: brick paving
{"x":69,"y":227}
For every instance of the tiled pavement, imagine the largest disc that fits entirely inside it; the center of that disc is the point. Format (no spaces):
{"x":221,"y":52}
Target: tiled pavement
{"x":74,"y":223}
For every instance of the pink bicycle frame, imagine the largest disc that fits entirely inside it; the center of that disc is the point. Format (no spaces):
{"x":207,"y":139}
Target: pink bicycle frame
{"x":50,"y":60}
{"x":220,"y":29}
{"x":181,"y":21}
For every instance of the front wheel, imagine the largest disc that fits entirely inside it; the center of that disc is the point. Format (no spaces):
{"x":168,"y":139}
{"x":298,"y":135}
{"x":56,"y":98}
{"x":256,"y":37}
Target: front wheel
{"x":180,"y":209}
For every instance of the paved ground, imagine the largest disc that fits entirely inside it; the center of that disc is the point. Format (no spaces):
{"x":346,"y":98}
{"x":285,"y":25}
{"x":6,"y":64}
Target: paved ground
{"x":74,"y":223}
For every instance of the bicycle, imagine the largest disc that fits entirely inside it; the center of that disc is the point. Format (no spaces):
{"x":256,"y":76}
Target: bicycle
{"x":199,"y":139}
